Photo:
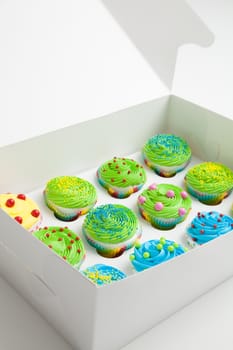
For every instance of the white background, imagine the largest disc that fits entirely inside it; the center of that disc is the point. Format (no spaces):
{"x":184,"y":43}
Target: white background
{"x":67,"y":61}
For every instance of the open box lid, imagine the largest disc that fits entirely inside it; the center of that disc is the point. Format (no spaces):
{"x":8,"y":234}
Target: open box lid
{"x":62,"y":63}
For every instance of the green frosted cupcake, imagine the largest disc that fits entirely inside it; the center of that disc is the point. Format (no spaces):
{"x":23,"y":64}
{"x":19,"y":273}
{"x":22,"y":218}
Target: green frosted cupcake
{"x":121,"y":177}
{"x":111,"y":229}
{"x":63,"y":242}
{"x":164,"y":205}
{"x":69,"y":197}
{"x":209,"y":182}
{"x":166,"y":154}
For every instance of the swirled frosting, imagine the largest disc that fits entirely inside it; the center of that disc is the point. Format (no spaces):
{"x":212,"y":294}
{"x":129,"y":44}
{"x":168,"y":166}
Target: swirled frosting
{"x":154,"y":252}
{"x":70,"y":192}
{"x":63,"y":242}
{"x":210,"y":177}
{"x":122,"y":172}
{"x":111,"y":223}
{"x":164,"y":201}
{"x":209,"y":225}
{"x":22,"y":209}
{"x":103,"y":274}
{"x":167,"y":150}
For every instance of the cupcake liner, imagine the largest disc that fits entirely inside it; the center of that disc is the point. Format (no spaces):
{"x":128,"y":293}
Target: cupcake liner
{"x":162,"y":223}
{"x":206,"y":198}
{"x":165,"y":171}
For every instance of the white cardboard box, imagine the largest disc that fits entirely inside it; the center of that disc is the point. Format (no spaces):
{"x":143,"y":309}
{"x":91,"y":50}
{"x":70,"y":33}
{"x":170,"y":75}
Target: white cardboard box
{"x":90,"y":317}
{"x":93,"y":318}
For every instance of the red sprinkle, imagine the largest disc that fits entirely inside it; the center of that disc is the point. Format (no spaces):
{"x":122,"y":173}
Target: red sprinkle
{"x":123,"y":163}
{"x":124,"y":180}
{"x":118,"y":172}
{"x":140,"y":174}
{"x":77,"y":238}
{"x":59,"y":239}
{"x":202,"y":215}
{"x":64,"y":257}
{"x":50,"y":246}
{"x":79,"y":251}
{"x":61,"y":229}
{"x":202,"y":231}
{"x":46,"y":227}
{"x":129,"y":171}
{"x":117,"y":166}
{"x":219,"y":220}
{"x":193,"y":226}
{"x":54,"y":231}
{"x":231,"y":225}
{"x":35,"y":213}
{"x":71,"y":241}
{"x":221,"y":215}
{"x":112,"y":180}
{"x":47,"y":235}
{"x":137,"y":166}
{"x":69,"y":247}
{"x":215,"y":226}
{"x":21,"y":196}
{"x":10,"y":202}
{"x":109,"y":164}
{"x":114,"y":160}
{"x":203,"y":224}
{"x":19,"y":219}
{"x":69,"y":235}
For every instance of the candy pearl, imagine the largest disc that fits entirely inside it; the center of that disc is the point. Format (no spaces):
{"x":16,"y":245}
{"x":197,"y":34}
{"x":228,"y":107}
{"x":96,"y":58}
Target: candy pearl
{"x":152,"y":187}
{"x":159,"y":246}
{"x":137,"y":244}
{"x":19,"y":219}
{"x":10,"y":202}
{"x":170,"y":248}
{"x":35,"y":213}
{"x":182,"y":211}
{"x":159,"y":206}
{"x":131,"y":257}
{"x":162,"y":240}
{"x":170,"y":194}
{"x":141,"y":199}
{"x":176,"y":245}
{"x":184,"y":194}
{"x":146,"y":255}
{"x":21,"y":196}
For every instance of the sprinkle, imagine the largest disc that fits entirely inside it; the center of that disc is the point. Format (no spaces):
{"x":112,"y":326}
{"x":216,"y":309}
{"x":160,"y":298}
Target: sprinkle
{"x":202,"y":231}
{"x":71,"y":241}
{"x":10,"y":202}
{"x":69,"y":234}
{"x":69,"y":247}
{"x":79,"y":251}
{"x":184,"y":194}
{"x":47,"y":235}
{"x":54,"y":231}
{"x":61,"y":229}
{"x":64,"y":257}
{"x":19,"y":219}
{"x":193,"y":226}
{"x":128,"y":172}
{"x":112,"y":180}
{"x":50,"y":246}
{"x":170,"y":248}
{"x":214,"y":226}
{"x":124,"y":180}
{"x":131,"y":257}
{"x":77,"y":238}
{"x":159,"y":246}
{"x":152,"y":187}
{"x":59,"y":239}
{"x":162,"y":240}
{"x":146,"y":255}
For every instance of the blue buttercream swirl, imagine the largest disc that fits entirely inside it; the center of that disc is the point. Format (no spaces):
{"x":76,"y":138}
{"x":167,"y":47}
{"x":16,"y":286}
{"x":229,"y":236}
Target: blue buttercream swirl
{"x":154,"y":252}
{"x":209,"y":225}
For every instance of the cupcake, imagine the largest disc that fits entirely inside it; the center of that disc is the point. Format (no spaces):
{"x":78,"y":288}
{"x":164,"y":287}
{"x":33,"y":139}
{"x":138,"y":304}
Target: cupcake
{"x":154,"y":252}
{"x":69,"y":197}
{"x":103,"y":274}
{"x":22,"y":209}
{"x":111,"y":229}
{"x":164,"y":205}
{"x":121,"y":177}
{"x":209,"y":182}
{"x":166,"y":154}
{"x":207,"y":226}
{"x":64,"y":243}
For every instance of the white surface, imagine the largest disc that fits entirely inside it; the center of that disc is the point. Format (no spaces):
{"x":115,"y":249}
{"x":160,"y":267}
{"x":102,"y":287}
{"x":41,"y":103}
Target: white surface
{"x":30,"y":94}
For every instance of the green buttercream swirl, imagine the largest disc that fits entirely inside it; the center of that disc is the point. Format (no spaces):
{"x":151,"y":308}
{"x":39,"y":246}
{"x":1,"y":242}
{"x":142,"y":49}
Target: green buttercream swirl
{"x":171,"y":206}
{"x":70,"y":192}
{"x":111,"y":223}
{"x":167,"y":150}
{"x":210,"y":177}
{"x":63,"y":242}
{"x":122,"y":172}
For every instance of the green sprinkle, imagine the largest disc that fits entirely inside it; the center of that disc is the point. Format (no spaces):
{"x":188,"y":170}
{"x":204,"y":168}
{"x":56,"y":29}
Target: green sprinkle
{"x":176,"y":245}
{"x":146,"y":255}
{"x":159,"y":246}
{"x":137,"y":244}
{"x":170,"y":248}
{"x":131,"y":257}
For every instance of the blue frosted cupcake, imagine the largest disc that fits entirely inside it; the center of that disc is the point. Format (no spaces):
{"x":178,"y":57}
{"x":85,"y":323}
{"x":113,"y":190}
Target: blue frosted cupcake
{"x":154,"y":252}
{"x":166,"y":154}
{"x":207,"y":226}
{"x":164,"y":205}
{"x":103,"y":274}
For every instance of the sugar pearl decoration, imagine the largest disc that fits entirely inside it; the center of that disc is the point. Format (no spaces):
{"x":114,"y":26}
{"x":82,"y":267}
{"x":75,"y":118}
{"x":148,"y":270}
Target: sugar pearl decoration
{"x":141,"y":199}
{"x":182,"y":211}
{"x":184,"y":194}
{"x":159,"y":206}
{"x":152,"y":187}
{"x":170,"y":194}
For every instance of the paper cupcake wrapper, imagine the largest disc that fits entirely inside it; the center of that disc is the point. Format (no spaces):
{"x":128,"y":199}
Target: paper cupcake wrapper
{"x":119,"y":192}
{"x":162,"y":223}
{"x":165,"y":171}
{"x":206,"y":198}
{"x":67,"y":214}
